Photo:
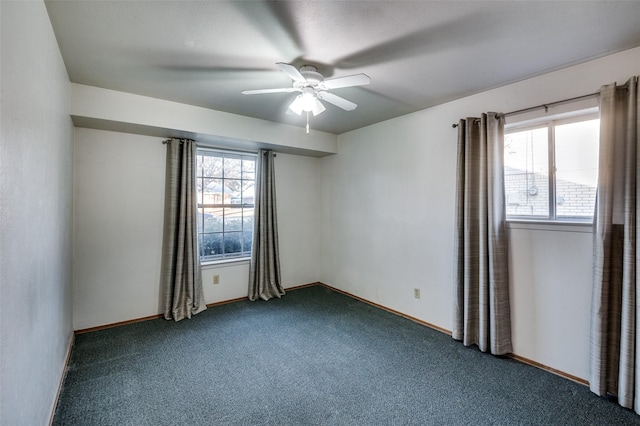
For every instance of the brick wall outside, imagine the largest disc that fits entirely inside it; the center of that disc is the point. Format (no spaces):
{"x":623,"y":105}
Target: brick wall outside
{"x":527,"y":194}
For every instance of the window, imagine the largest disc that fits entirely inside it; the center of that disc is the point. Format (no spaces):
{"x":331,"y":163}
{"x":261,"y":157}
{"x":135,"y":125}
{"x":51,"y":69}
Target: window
{"x":551,"y":169}
{"x":225,"y":185}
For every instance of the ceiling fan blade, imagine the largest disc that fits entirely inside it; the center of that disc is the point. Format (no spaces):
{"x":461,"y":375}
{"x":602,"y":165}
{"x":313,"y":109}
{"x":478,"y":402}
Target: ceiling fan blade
{"x":292,"y":72}
{"x":261,"y":91}
{"x":348,"y":81}
{"x":337,"y":101}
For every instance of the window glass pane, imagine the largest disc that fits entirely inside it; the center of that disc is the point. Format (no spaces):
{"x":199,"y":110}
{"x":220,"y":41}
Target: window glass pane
{"x":211,"y":244}
{"x":199,"y":220}
{"x":247,"y":240}
{"x":232,"y":191}
{"x":247,"y":230}
{"x":232,"y":167}
{"x":232,"y":242}
{"x":248,"y":168}
{"x":526,"y":173}
{"x":212,"y":220}
{"x":199,"y":190}
{"x":211,"y":164}
{"x":232,"y":219}
{"x":212,"y":191}
{"x":199,"y":165}
{"x":248,"y":192}
{"x":576,"y":168}
{"x":247,"y":219}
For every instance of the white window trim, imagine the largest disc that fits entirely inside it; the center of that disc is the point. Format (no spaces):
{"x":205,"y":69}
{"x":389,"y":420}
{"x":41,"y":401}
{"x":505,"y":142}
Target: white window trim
{"x":550,"y":225}
{"x":214,"y":264}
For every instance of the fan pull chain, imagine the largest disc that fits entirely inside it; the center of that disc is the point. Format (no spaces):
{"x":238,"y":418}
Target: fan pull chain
{"x":307,"y":122}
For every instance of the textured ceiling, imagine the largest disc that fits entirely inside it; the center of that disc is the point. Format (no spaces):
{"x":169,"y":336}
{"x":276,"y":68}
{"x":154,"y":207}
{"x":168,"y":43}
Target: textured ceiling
{"x":417,"y":53}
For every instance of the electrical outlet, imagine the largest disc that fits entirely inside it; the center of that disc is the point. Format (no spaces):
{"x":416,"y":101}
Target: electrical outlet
{"x":216,"y":279}
{"x":416,"y":293}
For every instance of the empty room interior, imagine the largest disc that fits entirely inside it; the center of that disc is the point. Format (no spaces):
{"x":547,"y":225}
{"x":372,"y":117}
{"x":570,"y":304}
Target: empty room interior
{"x":367,"y":178}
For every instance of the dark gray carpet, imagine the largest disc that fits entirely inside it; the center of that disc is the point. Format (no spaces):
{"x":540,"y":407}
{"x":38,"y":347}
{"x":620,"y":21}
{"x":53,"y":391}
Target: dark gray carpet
{"x":314,"y":357}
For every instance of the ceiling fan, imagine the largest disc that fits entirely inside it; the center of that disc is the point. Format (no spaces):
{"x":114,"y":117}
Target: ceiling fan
{"x":313,"y":88}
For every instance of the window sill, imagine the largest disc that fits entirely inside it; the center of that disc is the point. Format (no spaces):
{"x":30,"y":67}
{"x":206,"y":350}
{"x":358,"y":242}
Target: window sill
{"x":211,"y":264}
{"x":555,"y":225}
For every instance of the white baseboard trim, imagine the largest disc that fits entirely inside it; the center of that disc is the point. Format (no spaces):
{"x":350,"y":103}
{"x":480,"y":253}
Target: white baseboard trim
{"x":62,"y":377}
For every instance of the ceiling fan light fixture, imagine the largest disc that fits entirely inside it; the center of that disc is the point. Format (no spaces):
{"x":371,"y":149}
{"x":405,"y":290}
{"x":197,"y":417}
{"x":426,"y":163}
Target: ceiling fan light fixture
{"x":307,"y":102}
{"x":318,"y":108}
{"x":296,"y":105}
{"x":308,"y":99}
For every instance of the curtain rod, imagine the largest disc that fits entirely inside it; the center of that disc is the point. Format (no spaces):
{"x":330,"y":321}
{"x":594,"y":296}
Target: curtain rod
{"x":545,"y":106}
{"x":166,"y":141}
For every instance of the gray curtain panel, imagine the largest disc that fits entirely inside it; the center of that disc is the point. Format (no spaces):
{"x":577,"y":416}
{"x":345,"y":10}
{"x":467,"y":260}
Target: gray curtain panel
{"x":264,"y":272}
{"x":481,"y":314}
{"x":181,"y":278}
{"x":614,"y":352}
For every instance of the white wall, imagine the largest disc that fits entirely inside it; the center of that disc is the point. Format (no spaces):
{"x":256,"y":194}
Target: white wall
{"x":297,"y":189}
{"x":118,"y":204}
{"x":118,"y":216}
{"x":35,"y":215}
{"x":551,"y":296}
{"x":387,"y":218}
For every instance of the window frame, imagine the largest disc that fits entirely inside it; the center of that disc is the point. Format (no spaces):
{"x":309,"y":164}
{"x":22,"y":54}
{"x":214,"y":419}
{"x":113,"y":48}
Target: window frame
{"x":550,"y":123}
{"x":243,"y":255}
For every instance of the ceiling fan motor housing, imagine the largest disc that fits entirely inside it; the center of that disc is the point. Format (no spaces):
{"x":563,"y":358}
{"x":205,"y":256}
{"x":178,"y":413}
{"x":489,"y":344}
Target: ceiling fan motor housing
{"x":311,"y":74}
